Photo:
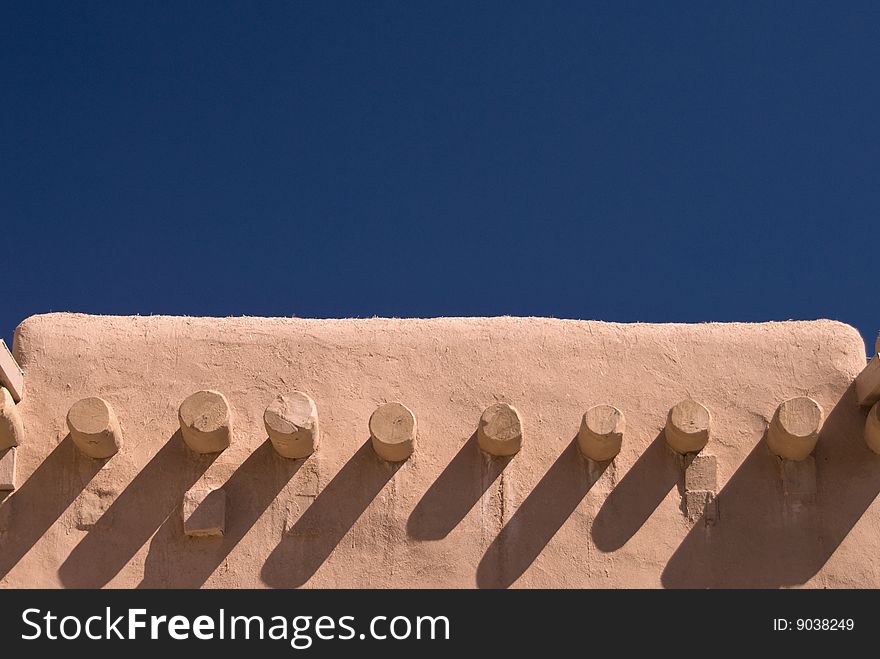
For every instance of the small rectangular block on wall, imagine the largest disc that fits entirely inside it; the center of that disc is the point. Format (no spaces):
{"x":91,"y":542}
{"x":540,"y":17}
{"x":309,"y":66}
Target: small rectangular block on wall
{"x":7,"y":470}
{"x":702,"y":504}
{"x":701,"y":474}
{"x":204,"y":512}
{"x":91,"y":506}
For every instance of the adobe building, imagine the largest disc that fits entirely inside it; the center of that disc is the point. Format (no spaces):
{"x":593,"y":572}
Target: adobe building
{"x":451,"y":452}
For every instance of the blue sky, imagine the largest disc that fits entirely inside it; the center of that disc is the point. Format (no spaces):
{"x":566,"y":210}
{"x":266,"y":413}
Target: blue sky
{"x":615,"y":161}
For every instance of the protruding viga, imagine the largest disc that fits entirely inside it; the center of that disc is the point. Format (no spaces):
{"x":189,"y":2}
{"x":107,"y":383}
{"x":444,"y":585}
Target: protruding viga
{"x":795,"y":427}
{"x":393,"y":431}
{"x":11,"y":426}
{"x":872,"y":428}
{"x":206,"y":422}
{"x":499,"y":432}
{"x":292,"y":425}
{"x":94,"y":428}
{"x":688,"y":426}
{"x":601,"y":434}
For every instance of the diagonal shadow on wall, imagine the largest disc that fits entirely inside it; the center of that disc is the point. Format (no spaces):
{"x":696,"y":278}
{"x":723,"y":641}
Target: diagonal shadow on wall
{"x":763,"y":539}
{"x":539,"y":518}
{"x":322,"y":525}
{"x":178,"y":561}
{"x":634,"y":499}
{"x":449,"y":498}
{"x":135,"y":515}
{"x":34,"y":507}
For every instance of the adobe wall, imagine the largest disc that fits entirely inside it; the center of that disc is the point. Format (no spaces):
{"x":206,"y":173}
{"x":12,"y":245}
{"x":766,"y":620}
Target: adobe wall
{"x":450,"y":515}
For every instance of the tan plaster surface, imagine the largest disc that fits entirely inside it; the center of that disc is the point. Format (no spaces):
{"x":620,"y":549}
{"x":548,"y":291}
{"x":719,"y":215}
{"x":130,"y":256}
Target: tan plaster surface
{"x":450,"y":515}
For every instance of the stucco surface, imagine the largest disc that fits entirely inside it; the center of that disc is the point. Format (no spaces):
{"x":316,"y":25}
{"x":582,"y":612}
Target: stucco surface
{"x":449,"y":516}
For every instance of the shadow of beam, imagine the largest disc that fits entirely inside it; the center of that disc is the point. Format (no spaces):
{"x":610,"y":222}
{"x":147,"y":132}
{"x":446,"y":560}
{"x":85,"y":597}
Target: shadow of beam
{"x":539,"y":518}
{"x":175,"y":560}
{"x":43,"y":498}
{"x":134,"y":516}
{"x":322,"y":525}
{"x":463,"y":482}
{"x":636,"y":496}
{"x":763,"y":540}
